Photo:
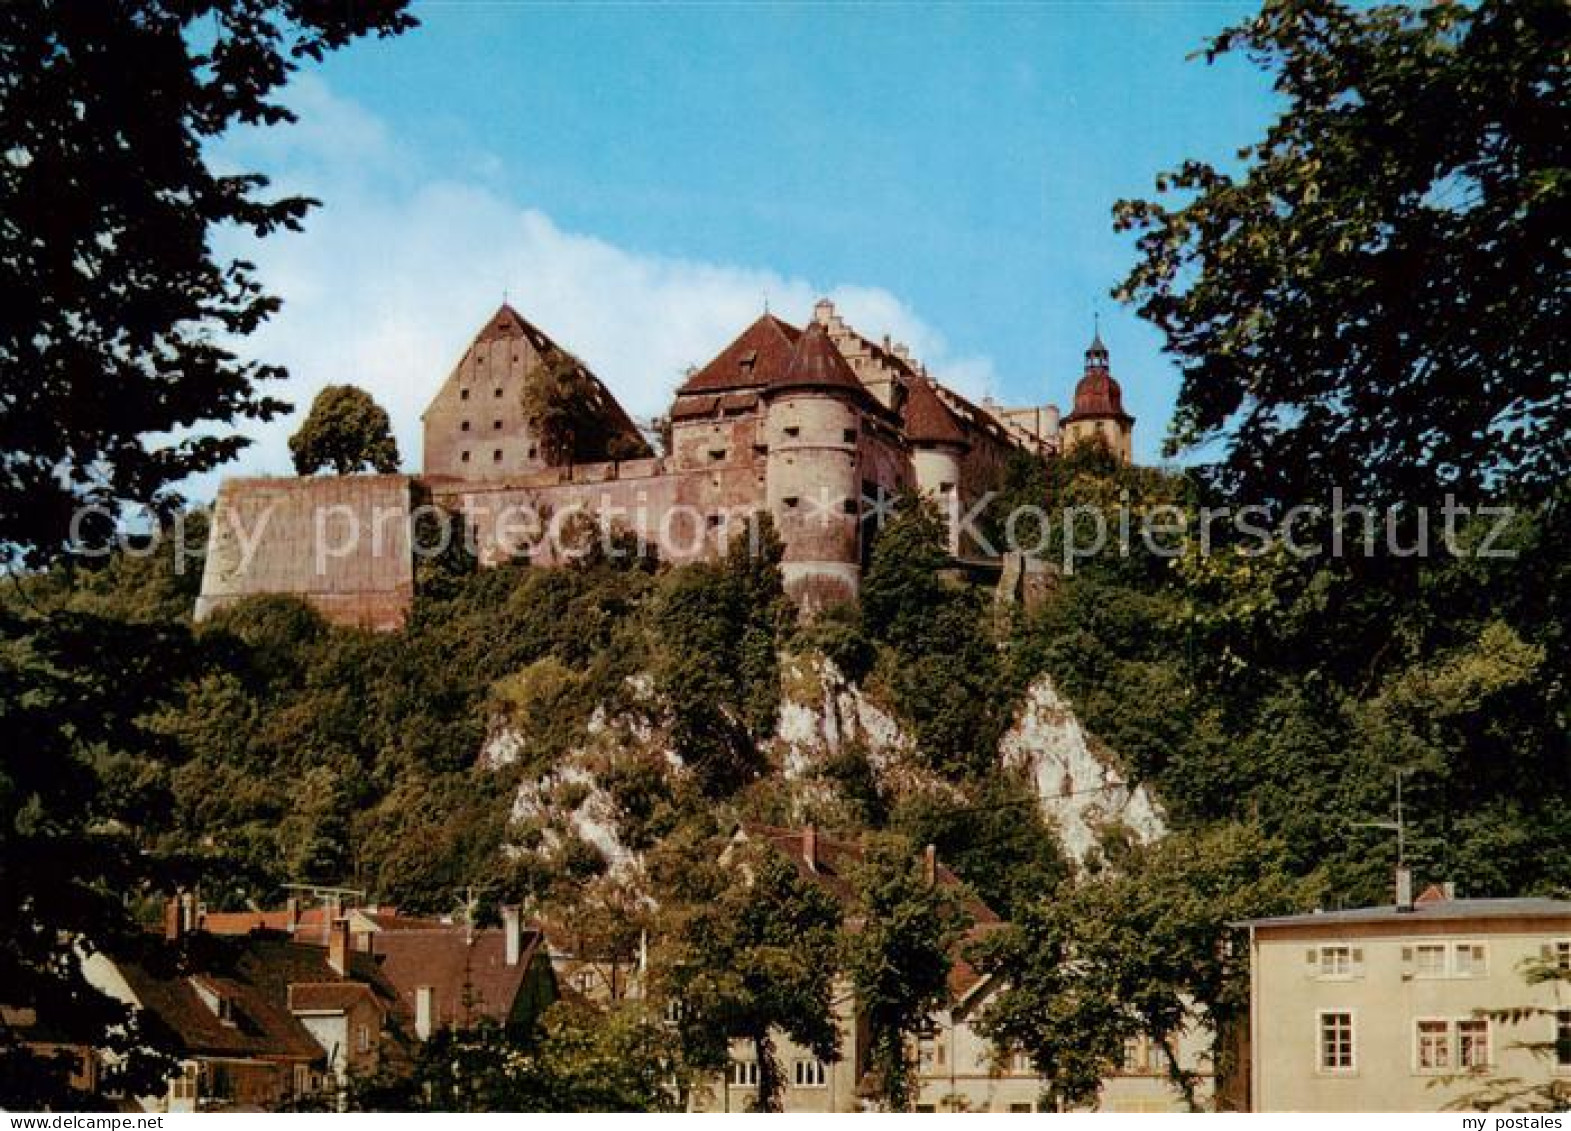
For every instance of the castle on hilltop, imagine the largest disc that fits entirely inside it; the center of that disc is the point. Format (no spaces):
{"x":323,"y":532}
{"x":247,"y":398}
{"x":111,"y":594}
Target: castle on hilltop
{"x":816,"y":426}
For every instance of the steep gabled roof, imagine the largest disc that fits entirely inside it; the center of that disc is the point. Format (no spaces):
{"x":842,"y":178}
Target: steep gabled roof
{"x":817,"y":364}
{"x":926,"y":418}
{"x":466,"y":969}
{"x":255,"y":974}
{"x":751,"y":361}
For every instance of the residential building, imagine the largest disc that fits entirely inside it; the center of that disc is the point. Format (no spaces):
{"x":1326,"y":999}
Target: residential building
{"x":957,"y":1069}
{"x":1388,"y":1008}
{"x":258,"y":1021}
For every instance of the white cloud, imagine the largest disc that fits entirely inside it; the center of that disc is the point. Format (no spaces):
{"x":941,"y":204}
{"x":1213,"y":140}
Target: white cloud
{"x":398,"y":270}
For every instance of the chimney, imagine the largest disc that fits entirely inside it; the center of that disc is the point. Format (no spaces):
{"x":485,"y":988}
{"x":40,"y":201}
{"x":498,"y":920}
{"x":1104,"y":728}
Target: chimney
{"x":291,"y":913}
{"x":511,"y":933}
{"x":174,"y":919}
{"x":1449,"y":888}
{"x":823,"y":311}
{"x":330,"y":912}
{"x":1404,"y":888}
{"x":810,"y":847}
{"x":423,"y":996}
{"x":338,"y":947}
{"x":930,"y":865}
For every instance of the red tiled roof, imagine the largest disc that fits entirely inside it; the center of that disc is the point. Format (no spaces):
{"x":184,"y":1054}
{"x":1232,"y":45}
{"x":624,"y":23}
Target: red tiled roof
{"x":328,"y":997}
{"x":1098,"y":395}
{"x":247,"y":922}
{"x":927,"y":419}
{"x":255,"y":974}
{"x":392,"y":921}
{"x":467,"y":971}
{"x":751,"y":361}
{"x":817,"y":364}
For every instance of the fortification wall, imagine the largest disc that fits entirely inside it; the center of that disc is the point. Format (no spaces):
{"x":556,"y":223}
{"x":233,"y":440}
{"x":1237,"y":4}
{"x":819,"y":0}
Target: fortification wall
{"x":341,"y":543}
{"x":681,"y":515}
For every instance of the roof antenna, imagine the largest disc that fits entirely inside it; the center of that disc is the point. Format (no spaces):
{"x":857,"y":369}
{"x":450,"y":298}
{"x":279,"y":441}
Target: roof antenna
{"x":1404,"y":876}
{"x":766,"y":302}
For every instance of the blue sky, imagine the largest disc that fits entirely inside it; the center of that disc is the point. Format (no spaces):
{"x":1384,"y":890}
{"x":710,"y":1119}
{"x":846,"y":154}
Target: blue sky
{"x":638,"y":178}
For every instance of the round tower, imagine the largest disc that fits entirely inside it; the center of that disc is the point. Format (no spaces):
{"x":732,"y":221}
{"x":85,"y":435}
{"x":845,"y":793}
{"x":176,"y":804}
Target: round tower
{"x":812,"y":427}
{"x":938,"y":449}
{"x":1099,"y":407}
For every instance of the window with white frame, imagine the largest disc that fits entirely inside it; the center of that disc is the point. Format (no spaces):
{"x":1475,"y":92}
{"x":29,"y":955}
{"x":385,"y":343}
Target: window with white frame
{"x":744,"y":1073}
{"x":808,"y":1073}
{"x":1472,"y":1042}
{"x":1563,"y":1040}
{"x":1338,"y":961}
{"x":363,"y":1038}
{"x":1471,"y":960}
{"x":1560,"y":954}
{"x":1336,"y":1041}
{"x":1432,"y":1040}
{"x":1020,"y":1064}
{"x":1429,"y":960}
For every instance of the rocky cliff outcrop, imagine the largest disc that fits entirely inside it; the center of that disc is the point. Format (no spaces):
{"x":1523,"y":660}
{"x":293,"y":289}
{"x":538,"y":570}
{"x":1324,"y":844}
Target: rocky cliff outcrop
{"x":823,"y":719}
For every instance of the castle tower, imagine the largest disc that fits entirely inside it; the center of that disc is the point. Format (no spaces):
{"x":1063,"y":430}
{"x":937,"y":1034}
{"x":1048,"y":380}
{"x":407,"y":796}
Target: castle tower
{"x":814,"y":410}
{"x":1099,"y":407}
{"x":938,"y":447}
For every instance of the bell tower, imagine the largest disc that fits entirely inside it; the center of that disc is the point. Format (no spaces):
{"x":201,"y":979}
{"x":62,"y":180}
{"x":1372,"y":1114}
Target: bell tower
{"x":1099,"y":406}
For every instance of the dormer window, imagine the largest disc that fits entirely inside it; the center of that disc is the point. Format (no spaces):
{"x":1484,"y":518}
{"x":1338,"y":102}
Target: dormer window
{"x":748,"y":360}
{"x":219,"y":1003}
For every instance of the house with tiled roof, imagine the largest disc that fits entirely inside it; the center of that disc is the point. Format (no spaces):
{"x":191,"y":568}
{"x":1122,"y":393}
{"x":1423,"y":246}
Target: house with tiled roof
{"x":817,"y":426}
{"x":257,"y":1021}
{"x":450,"y":975}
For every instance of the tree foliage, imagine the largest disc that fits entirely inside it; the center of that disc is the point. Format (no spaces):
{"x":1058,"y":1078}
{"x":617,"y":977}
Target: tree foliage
{"x":345,"y":432}
{"x":1378,"y":299}
{"x":572,"y":416}
{"x":113,"y":353}
{"x":897,"y":955}
{"x":758,"y":957}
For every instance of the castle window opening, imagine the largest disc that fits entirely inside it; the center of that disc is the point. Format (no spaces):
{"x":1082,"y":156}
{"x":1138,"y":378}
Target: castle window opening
{"x":463,"y":394}
{"x":464,"y":426}
{"x":717,"y":454}
{"x":496,"y":424}
{"x":946,"y":488}
{"x":793,"y":431}
{"x":791,"y":500}
{"x":850,"y":435}
{"x":496,"y":456}
{"x":531,"y":453}
{"x":497,"y":392}
{"x":849,"y":506}
{"x":464,"y":456}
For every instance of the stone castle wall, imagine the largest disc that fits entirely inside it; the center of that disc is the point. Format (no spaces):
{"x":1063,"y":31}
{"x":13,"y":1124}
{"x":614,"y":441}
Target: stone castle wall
{"x":342,"y":543}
